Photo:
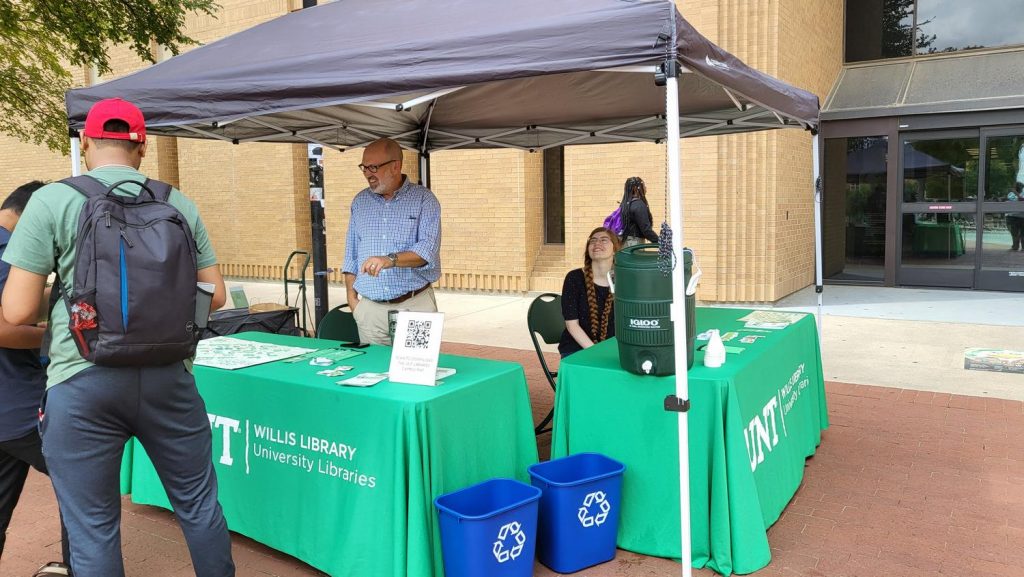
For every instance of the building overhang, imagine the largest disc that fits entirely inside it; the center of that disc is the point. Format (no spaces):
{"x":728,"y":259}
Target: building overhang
{"x":958,"y":82}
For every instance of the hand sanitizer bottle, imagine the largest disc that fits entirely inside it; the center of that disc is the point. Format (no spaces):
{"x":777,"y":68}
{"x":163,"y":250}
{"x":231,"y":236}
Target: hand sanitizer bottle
{"x":714,"y":352}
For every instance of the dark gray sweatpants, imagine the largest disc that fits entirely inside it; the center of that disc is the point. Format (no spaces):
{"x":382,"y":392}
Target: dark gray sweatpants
{"x":87,"y":420}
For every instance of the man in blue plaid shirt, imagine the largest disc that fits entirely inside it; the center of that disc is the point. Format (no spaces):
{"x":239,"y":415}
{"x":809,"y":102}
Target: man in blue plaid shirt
{"x":393,"y":246}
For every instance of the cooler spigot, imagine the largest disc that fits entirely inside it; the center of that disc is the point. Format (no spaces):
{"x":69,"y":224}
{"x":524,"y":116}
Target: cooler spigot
{"x":646,"y":366}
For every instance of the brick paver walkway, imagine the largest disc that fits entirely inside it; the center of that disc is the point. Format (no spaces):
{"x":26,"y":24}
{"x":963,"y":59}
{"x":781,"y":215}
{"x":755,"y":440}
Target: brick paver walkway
{"x":905,"y":484}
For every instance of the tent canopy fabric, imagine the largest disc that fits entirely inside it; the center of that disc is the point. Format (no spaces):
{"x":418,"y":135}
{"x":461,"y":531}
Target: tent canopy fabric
{"x":439,"y":74}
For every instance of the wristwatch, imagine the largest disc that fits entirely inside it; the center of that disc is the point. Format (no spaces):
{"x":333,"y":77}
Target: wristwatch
{"x":393,"y":257}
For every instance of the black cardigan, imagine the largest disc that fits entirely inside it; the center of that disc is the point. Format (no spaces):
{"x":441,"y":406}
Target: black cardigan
{"x":638,"y":221}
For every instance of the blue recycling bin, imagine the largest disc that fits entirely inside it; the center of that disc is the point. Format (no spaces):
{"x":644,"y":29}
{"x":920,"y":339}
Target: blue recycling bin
{"x":489,"y":529}
{"x":579,"y":510}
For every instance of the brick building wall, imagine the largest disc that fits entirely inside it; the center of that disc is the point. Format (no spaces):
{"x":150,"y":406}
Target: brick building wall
{"x":594,"y":180}
{"x":810,"y":56}
{"x":747,"y":200}
{"x":749,"y":196}
{"x":483,"y":195}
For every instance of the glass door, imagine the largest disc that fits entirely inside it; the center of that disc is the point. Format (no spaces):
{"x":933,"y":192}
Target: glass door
{"x":1001,"y":265}
{"x":939,"y":210}
{"x":854,"y":209}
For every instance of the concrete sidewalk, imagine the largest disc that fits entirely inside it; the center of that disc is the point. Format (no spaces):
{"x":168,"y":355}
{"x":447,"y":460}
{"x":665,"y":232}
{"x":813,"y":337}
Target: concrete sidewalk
{"x":890,"y":337}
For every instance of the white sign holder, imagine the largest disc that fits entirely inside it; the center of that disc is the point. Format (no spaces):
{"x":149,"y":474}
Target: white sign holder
{"x":417,"y":345}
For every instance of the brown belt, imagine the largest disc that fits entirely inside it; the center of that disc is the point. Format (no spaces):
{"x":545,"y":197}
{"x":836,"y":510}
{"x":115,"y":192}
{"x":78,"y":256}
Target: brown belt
{"x":406,"y":296}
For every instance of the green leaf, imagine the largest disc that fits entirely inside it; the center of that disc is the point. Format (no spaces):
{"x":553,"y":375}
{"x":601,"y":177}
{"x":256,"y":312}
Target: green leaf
{"x":40,"y":40}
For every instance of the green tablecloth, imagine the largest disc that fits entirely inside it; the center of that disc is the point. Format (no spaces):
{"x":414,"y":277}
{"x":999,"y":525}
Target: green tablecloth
{"x":344,"y":478}
{"x":752,"y":423}
{"x":126,"y":466}
{"x":938,"y":238}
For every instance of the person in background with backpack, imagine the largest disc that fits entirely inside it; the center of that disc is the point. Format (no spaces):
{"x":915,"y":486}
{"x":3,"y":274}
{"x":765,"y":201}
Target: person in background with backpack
{"x":90,"y":410}
{"x":22,"y":382}
{"x":636,"y":214}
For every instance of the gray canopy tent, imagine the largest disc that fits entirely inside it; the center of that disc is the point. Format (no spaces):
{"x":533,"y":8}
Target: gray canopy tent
{"x":459,"y":74}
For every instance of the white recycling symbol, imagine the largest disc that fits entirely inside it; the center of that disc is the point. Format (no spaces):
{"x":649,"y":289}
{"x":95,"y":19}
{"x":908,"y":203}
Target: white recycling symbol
{"x":594,"y":501}
{"x":514,"y":532}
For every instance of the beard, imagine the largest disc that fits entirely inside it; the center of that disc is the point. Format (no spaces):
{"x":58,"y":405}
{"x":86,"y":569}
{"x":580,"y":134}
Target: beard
{"x":380,"y":188}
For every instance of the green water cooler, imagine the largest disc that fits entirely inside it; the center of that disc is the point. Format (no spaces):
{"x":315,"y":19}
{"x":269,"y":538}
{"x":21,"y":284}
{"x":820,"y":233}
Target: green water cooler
{"x":643,"y":325}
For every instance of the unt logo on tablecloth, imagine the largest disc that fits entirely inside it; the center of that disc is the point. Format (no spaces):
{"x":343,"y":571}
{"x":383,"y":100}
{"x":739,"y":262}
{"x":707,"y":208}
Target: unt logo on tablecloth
{"x":763,"y":431}
{"x":227,"y":426}
{"x":509,"y":534}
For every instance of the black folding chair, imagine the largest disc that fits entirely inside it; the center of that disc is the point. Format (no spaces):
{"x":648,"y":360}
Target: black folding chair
{"x":339,"y":324}
{"x":544,"y":318}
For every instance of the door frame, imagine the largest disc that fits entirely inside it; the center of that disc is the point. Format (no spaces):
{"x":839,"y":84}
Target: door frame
{"x":998,"y":280}
{"x":980,"y":124}
{"x":866,"y":128}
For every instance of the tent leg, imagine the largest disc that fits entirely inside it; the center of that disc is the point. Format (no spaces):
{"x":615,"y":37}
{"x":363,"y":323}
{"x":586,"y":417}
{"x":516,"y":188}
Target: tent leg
{"x":678,"y":312}
{"x":425,"y":169}
{"x":819,"y":287}
{"x":318,"y":236}
{"x":76,"y":156}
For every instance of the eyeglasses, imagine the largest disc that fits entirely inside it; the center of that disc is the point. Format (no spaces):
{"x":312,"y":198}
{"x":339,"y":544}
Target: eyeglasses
{"x":600,"y":240}
{"x":373,"y":168}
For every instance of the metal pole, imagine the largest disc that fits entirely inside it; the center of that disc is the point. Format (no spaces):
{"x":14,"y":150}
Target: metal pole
{"x":318,"y":229}
{"x":818,"y":187}
{"x":425,"y":169}
{"x":424,"y":154}
{"x":76,"y":154}
{"x":678,"y":312}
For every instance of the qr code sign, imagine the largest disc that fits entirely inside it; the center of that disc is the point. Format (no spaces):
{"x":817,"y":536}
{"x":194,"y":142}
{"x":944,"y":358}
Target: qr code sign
{"x":418,"y":335}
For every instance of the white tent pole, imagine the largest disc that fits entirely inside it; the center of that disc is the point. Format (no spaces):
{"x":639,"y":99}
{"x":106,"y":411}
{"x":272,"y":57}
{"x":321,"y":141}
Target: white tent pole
{"x":424,"y":169}
{"x":818,"y":187}
{"x":678,"y":312}
{"x":76,"y":157}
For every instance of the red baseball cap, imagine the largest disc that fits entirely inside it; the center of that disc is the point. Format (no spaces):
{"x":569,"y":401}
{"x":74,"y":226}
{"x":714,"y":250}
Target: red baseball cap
{"x":115,"y":109}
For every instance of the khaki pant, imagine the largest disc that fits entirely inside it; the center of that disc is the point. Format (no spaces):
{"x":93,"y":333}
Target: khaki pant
{"x":372,"y":317}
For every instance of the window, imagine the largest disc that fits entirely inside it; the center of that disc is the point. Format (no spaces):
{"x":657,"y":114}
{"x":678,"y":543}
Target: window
{"x":951,"y":26}
{"x":1004,"y":177}
{"x":878,"y":29}
{"x":940,"y":170}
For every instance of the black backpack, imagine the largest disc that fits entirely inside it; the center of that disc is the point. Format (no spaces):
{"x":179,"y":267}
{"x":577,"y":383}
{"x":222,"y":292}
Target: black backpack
{"x":133,"y":301}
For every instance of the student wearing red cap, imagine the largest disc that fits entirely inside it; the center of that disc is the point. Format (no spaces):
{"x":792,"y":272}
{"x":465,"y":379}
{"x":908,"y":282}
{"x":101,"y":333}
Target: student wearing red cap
{"x":90,"y":411}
